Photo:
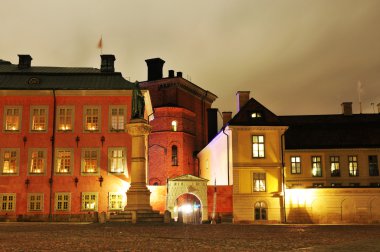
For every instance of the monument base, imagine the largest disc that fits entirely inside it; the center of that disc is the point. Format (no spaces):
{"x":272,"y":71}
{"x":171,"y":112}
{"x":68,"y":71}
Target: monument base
{"x":138,"y":198}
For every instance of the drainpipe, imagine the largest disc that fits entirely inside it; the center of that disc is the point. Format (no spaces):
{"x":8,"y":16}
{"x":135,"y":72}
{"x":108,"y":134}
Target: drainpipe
{"x":283,"y":174}
{"x":52,"y":159}
{"x":228,"y":156}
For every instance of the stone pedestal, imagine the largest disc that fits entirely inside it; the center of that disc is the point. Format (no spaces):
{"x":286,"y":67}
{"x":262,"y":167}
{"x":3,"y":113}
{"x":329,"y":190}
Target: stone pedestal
{"x":138,"y":195}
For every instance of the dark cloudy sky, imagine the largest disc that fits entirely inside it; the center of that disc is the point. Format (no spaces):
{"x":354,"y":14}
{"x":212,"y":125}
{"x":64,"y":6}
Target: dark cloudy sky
{"x":295,"y":56}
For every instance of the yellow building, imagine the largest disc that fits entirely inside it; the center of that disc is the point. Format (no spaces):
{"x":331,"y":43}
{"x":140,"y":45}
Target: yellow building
{"x":300,"y":169}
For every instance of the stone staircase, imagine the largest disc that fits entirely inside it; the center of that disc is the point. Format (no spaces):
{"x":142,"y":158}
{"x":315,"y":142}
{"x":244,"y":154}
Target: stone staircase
{"x":141,"y":216}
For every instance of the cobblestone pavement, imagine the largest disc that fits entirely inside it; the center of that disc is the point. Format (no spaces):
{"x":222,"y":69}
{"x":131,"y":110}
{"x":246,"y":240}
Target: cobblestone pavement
{"x":177,"y":237}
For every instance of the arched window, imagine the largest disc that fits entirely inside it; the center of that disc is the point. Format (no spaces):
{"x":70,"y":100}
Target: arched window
{"x":261,"y":210}
{"x":174,"y":125}
{"x":174,"y":155}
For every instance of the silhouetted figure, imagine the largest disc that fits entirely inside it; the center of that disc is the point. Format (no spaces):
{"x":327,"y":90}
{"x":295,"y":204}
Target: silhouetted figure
{"x":138,"y":103}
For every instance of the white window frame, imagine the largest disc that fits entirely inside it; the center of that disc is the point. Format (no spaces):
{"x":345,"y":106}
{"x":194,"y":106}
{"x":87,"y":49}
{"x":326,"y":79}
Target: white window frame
{"x":87,"y":199}
{"x":33,"y":127}
{"x":123,"y":160}
{"x":353,"y":166}
{"x":12,"y":129}
{"x":114,"y":122}
{"x":56,"y":165}
{"x":258,"y":147}
{"x":7,"y":202}
{"x":16,"y":159}
{"x":259,"y":182}
{"x":35,"y":202}
{"x":30,"y":160}
{"x":91,"y":117}
{"x":65,"y":122}
{"x":60,"y":199}
{"x":83,"y":161}
{"x":116,"y":199}
{"x":295,"y":165}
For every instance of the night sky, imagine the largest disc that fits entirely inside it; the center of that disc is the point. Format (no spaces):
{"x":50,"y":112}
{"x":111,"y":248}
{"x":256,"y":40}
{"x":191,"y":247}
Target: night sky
{"x":295,"y":56}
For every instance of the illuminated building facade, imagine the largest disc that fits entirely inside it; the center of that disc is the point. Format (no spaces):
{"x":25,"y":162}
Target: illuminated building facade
{"x":65,"y":153}
{"x":301,"y":169}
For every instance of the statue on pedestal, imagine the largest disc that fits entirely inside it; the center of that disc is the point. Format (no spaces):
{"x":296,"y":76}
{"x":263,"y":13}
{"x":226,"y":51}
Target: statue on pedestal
{"x":138,"y":103}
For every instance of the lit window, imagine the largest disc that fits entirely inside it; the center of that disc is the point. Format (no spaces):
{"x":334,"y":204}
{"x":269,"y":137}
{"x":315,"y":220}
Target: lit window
{"x":334,"y":166}
{"x":12,"y":117}
{"x":174,"y":125}
{"x":373,"y":166}
{"x":259,"y":182}
{"x":90,"y":201}
{"x":295,"y":163}
{"x":258,"y":146}
{"x":65,"y":117}
{"x":117,"y":118}
{"x":353,"y":169}
{"x":316,"y":165}
{"x":318,"y":185}
{"x":64,"y":161}
{"x":336,"y":184}
{"x":116,"y":201}
{"x":39,"y":118}
{"x":35,"y":201}
{"x":9,"y":161}
{"x":261,"y":211}
{"x":37,"y":161}
{"x":8,"y":201}
{"x":117,"y":160}
{"x":62,"y":201}
{"x":174,"y":155}
{"x":256,"y":115}
{"x":90,"y":161}
{"x":91,"y":118}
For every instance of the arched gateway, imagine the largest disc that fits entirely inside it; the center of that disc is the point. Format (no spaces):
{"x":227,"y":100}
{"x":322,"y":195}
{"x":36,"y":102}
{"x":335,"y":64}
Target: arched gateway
{"x":188,"y":184}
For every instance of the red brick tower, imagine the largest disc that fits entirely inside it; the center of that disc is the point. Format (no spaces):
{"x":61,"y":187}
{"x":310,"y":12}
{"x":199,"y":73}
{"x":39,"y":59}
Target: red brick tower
{"x":180,"y":123}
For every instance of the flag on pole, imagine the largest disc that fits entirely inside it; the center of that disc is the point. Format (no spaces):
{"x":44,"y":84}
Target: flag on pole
{"x":100,"y":44}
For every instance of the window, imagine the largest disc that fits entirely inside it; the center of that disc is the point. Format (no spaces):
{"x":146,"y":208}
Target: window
{"x":373,"y":166}
{"x":39,"y":118}
{"x":295,"y":163}
{"x":256,"y":115}
{"x":8,"y":201}
{"x":65,"y":116}
{"x":174,"y":155}
{"x":35,"y":201}
{"x":353,"y":169}
{"x":334,"y":166}
{"x":117,"y":118}
{"x":316,"y":164}
{"x":258,"y":146}
{"x":259,"y":182}
{"x":354,"y":184}
{"x":115,"y":201}
{"x":336,"y":184}
{"x":117,"y":160}
{"x":12,"y":118}
{"x":318,"y":185}
{"x":37,"y":161}
{"x":10,"y":161}
{"x":174,"y":125}
{"x":90,"y":161}
{"x":91,"y":118}
{"x":62,"y":201}
{"x":90,"y":201}
{"x":261,"y":211}
{"x":64,"y":161}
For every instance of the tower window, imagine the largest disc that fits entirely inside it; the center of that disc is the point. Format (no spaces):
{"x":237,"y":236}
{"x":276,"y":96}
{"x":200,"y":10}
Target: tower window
{"x":174,"y":155}
{"x":174,"y":125}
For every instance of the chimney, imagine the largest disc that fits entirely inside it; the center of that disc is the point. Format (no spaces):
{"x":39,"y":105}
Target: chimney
{"x":171,"y":73}
{"x":378,"y":108}
{"x":107,"y":64}
{"x":179,"y":74}
{"x":347,"y":108}
{"x":154,"y":68}
{"x":24,"y":61}
{"x":226,"y":117}
{"x":242,"y":99}
{"x":212,"y":123}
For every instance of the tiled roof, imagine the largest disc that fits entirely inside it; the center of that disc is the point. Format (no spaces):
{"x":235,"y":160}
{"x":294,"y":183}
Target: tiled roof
{"x":59,"y":78}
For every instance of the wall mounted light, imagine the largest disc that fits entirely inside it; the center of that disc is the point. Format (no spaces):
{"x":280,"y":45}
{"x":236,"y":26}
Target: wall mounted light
{"x":77,"y":139}
{"x":27,"y":182}
{"x":100,"y":181}
{"x":76,"y":180}
{"x":102,"y":139}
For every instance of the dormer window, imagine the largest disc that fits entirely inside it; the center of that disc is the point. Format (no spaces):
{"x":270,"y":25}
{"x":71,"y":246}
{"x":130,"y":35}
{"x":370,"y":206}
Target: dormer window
{"x":174,"y":125}
{"x":256,"y":115}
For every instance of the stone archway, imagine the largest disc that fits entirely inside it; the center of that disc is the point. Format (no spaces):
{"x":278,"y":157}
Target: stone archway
{"x":188,"y":184}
